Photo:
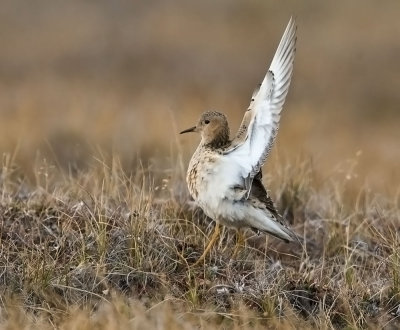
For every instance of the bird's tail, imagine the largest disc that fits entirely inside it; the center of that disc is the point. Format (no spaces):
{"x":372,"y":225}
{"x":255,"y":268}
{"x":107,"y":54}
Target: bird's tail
{"x":279,"y":229}
{"x":284,"y":233}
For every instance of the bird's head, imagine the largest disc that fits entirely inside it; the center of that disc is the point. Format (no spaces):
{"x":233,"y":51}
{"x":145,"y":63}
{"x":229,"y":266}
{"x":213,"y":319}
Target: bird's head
{"x":213,"y":128}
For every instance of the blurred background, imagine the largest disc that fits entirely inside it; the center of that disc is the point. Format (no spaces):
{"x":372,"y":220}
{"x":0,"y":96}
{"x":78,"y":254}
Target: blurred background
{"x":79,"y":78}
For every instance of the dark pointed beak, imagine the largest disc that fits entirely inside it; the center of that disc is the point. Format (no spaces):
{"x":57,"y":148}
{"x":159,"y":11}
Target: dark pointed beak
{"x":191,"y":129}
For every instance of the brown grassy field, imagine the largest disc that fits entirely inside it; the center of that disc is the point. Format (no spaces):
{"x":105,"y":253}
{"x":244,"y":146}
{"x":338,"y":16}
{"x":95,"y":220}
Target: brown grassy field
{"x":97,"y":228}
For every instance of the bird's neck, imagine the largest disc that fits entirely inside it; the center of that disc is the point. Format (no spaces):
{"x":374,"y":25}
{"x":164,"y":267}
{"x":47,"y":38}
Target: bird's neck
{"x":218,"y":140}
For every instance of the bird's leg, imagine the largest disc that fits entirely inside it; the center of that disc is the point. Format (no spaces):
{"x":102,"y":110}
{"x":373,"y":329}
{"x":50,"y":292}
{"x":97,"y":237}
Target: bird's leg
{"x":213,"y":239}
{"x":239,"y":243}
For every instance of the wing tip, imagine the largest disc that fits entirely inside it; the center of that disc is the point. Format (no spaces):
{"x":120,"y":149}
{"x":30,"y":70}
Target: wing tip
{"x":283,"y":59}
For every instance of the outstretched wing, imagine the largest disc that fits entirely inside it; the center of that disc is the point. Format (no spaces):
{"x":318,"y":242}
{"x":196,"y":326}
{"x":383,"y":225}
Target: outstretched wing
{"x":260,"y":124}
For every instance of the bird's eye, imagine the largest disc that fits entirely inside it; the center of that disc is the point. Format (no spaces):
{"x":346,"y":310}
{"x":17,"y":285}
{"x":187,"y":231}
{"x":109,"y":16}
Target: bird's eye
{"x":206,"y":122}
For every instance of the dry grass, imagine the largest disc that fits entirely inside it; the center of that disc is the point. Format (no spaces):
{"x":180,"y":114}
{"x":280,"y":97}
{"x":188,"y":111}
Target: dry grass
{"x":111,"y":250}
{"x":97,"y":229}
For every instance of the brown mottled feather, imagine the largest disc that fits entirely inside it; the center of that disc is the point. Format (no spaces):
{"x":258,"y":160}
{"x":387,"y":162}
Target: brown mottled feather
{"x":259,"y":193}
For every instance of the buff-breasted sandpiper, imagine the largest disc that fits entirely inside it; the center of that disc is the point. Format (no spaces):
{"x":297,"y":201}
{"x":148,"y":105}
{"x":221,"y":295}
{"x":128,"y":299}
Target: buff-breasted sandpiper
{"x":224,"y":176}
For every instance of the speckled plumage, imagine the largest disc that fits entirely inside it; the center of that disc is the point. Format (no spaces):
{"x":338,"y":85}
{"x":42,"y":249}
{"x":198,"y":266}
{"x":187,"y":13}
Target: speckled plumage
{"x":224,"y":176}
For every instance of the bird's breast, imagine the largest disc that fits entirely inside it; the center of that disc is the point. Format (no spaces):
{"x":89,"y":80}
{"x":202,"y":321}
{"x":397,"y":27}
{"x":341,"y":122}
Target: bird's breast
{"x":201,"y":171}
{"x":210,"y":180}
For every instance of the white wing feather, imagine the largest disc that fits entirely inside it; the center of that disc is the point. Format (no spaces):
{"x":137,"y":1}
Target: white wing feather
{"x":261,"y":121}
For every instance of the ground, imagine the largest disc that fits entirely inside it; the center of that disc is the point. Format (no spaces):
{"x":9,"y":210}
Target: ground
{"x":97,"y":229}
{"x":110,"y":250}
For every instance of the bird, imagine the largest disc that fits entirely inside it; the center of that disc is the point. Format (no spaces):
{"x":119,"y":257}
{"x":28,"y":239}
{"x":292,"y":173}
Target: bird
{"x":224,"y":175}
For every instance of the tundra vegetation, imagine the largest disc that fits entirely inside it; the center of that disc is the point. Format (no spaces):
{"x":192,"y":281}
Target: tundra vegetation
{"x":97,"y":228}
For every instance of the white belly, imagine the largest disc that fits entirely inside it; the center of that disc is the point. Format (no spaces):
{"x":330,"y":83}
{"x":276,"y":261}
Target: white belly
{"x":234,"y":210}
{"x":214,"y":187}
